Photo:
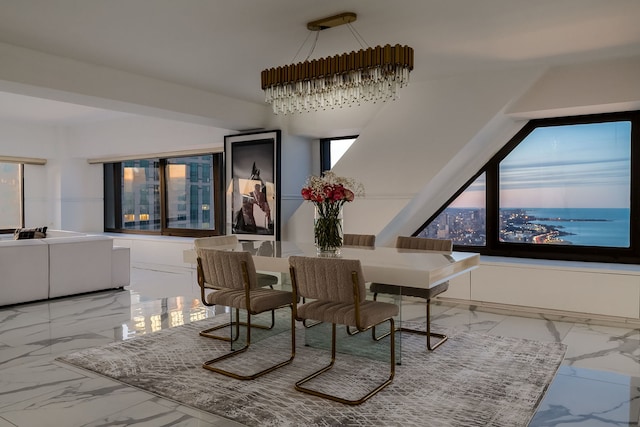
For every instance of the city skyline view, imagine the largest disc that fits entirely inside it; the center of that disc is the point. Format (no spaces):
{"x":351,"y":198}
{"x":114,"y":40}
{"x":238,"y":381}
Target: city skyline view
{"x":567,"y":185}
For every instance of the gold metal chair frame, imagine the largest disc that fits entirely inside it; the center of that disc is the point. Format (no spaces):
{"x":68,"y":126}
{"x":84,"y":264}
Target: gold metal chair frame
{"x":427,"y":332}
{"x":209,"y":364}
{"x":207,"y":332}
{"x":389,"y":380}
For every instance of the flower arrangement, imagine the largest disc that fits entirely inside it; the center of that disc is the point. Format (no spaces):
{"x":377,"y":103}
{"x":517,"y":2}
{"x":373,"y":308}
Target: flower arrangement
{"x":329,"y":193}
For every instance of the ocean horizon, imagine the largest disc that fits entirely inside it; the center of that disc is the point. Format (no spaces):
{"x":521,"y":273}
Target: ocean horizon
{"x":607,"y":227}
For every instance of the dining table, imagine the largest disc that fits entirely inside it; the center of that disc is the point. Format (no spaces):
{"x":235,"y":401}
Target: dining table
{"x":393,"y":266}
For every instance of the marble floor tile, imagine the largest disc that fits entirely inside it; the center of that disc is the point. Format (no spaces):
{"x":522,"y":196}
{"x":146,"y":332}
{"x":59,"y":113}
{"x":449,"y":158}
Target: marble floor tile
{"x":530,"y":328}
{"x":30,"y":380}
{"x":5,"y":423}
{"x":77,"y":403}
{"x":582,"y":400}
{"x":598,"y":384}
{"x":604,"y":348}
{"x":465,"y":319}
{"x":150,"y":414}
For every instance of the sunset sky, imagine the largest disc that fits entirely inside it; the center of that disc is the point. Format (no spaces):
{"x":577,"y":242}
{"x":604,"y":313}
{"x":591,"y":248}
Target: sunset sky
{"x":578,"y":166}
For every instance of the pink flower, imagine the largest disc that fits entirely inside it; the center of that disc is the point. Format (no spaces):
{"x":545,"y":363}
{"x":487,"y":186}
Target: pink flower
{"x":348,"y":195}
{"x":306,"y":193}
{"x":338,"y":193}
{"x":328,"y":191}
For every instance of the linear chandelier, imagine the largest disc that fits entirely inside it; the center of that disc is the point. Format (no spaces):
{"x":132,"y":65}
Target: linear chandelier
{"x":371,"y":74}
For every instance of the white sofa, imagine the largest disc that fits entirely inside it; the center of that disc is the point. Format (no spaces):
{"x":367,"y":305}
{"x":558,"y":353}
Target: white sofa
{"x":24,"y":271}
{"x":56,"y":266}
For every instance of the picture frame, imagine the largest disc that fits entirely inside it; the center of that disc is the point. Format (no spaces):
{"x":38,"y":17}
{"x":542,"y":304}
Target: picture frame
{"x":252,"y":180}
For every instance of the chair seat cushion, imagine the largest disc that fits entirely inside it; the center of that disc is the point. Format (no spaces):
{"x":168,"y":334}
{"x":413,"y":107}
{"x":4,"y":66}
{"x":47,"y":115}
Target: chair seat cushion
{"x":265,"y":279}
{"x":261,"y":299}
{"x":371,"y":312}
{"x":382,"y":288}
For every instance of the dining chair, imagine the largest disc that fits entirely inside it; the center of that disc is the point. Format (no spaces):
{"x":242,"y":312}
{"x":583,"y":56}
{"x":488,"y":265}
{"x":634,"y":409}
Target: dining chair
{"x":425,"y":244}
{"x":337,"y":289}
{"x":364,"y":240}
{"x":358,"y":240}
{"x":234,"y":277}
{"x":264,"y":279}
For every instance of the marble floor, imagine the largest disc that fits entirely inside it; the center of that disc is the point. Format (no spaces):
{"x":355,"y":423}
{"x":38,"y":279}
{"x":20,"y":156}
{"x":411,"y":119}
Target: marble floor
{"x":598,"y":384}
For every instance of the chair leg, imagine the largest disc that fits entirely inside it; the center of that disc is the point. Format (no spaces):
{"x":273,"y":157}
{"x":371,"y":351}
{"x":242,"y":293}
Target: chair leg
{"x":373,"y":329}
{"x":207,"y":332}
{"x":430,"y":334}
{"x":427,"y":333}
{"x":392,"y":358}
{"x":209,"y":364}
{"x":350,"y":332}
{"x":304,"y":321}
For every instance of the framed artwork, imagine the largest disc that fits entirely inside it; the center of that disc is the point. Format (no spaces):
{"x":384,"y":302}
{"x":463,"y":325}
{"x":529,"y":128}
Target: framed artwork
{"x":252,"y":167}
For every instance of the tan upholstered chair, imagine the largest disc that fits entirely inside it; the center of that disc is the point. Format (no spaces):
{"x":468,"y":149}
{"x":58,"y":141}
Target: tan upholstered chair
{"x":404,"y":242}
{"x":359,"y":240}
{"x":234,"y":276}
{"x":365,"y":240}
{"x":229,"y":242}
{"x":338,"y":291}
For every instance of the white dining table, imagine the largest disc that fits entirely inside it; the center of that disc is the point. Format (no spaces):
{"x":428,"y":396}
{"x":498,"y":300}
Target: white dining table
{"x":402,"y":267}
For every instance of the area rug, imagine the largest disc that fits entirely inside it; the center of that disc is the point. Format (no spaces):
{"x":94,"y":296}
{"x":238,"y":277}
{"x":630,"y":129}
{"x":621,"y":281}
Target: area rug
{"x":472,"y":380}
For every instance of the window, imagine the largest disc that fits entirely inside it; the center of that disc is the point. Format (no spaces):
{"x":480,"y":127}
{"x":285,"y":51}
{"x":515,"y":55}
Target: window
{"x":164,"y":196}
{"x":10,"y":196}
{"x":332,"y":149}
{"x":560,"y":189}
{"x":463,"y":220}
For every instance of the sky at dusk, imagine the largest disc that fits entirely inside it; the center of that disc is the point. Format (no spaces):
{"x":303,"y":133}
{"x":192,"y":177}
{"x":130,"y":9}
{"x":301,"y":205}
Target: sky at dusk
{"x":575,"y":166}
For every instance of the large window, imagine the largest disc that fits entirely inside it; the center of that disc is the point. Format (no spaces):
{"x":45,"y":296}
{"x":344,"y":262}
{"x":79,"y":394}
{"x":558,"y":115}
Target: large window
{"x":561,"y":189}
{"x":10,"y":196}
{"x":180,"y":196}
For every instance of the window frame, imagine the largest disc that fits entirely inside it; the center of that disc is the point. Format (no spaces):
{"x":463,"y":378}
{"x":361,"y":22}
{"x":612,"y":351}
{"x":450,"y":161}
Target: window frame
{"x":22,"y":213}
{"x":325,"y":151}
{"x":494,"y":247}
{"x":217,"y":186}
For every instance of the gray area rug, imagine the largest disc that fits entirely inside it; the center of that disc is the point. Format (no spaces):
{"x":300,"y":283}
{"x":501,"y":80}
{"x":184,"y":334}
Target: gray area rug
{"x":472,"y":380}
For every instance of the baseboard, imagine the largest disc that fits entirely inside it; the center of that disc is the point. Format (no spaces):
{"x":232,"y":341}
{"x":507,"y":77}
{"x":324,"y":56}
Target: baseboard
{"x":549,"y":314}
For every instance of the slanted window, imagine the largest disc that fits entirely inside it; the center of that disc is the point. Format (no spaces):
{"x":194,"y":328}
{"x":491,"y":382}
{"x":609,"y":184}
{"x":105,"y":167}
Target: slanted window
{"x":464,"y":219}
{"x":560,"y":189}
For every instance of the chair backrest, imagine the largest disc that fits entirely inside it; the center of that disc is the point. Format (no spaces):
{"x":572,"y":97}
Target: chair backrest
{"x":215,"y":241}
{"x":424,"y":244}
{"x":227,"y":269}
{"x":328,"y":279}
{"x":368,"y":240}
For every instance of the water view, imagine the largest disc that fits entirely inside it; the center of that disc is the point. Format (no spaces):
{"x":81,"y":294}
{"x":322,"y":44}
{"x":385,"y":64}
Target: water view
{"x":603,"y":227}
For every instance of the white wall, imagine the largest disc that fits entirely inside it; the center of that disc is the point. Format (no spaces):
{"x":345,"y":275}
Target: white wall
{"x":421,"y":148}
{"x":411,"y":154}
{"x":67,"y":193}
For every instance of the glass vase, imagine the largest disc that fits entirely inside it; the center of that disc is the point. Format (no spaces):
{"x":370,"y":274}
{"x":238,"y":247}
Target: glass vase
{"x":327,"y":229}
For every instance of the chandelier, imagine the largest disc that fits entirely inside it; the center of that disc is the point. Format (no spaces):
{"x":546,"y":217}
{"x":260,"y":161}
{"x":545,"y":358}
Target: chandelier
{"x":371,"y":74}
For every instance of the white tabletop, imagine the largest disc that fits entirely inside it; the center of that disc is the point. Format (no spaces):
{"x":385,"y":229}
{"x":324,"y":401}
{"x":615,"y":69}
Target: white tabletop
{"x":406,"y":267}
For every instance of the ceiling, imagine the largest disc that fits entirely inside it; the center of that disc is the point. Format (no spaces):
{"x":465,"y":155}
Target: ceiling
{"x":222,"y":45}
